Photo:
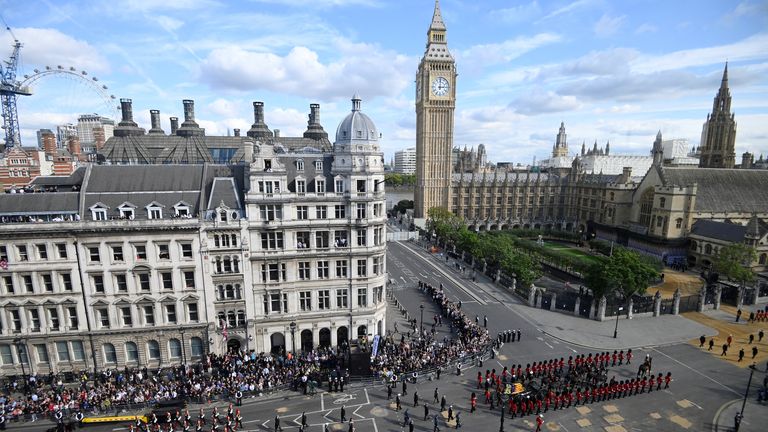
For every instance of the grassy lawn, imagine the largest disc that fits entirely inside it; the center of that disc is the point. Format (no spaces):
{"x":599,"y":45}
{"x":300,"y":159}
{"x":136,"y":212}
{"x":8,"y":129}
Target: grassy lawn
{"x":572,"y":251}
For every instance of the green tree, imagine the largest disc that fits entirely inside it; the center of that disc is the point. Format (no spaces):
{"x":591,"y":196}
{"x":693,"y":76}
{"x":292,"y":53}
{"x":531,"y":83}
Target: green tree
{"x":393,"y":179}
{"x":625,"y":273}
{"x":734,"y":262}
{"x":402,"y":206}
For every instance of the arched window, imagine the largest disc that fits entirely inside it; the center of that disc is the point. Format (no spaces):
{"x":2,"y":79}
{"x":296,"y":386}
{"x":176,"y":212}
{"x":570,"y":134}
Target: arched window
{"x":216,"y":240}
{"x":236,"y":265}
{"x":221,"y":316}
{"x":197,"y":347}
{"x":679,"y":223}
{"x":218,"y":265}
{"x":131,"y":352}
{"x":694,"y":245}
{"x":708,"y":249}
{"x":762,"y":259}
{"x":662,"y":202}
{"x":110,"y":355}
{"x":241,"y":318}
{"x":229,"y":292}
{"x":238,"y":293}
{"x":153,"y":349}
{"x":174,"y":348}
{"x":646,"y":207}
{"x":231,"y":319}
{"x":227,"y":265}
{"x":233,"y":237}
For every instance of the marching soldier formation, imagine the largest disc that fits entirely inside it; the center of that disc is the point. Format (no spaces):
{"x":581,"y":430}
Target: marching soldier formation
{"x":232,"y":422}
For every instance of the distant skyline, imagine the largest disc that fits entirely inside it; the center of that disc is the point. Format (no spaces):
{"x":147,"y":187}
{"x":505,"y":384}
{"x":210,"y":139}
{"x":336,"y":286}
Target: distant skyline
{"x":613,"y":71}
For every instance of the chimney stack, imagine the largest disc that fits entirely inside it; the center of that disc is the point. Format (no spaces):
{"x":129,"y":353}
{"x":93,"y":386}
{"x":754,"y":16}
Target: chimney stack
{"x":49,"y":143}
{"x":174,"y":125}
{"x":314,"y":113}
{"x":73,"y":145}
{"x":626,"y":174}
{"x":189,"y":127}
{"x":259,"y":129}
{"x":99,"y":138}
{"x":127,"y":126}
{"x":189,"y":110}
{"x":154,"y":116}
{"x":237,"y":132}
{"x":277,"y":133}
{"x":314,"y":128}
{"x":126,"y":108}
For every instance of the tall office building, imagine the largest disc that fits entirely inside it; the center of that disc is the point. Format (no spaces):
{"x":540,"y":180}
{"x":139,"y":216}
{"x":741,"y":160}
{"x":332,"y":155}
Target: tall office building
{"x":405,"y":161}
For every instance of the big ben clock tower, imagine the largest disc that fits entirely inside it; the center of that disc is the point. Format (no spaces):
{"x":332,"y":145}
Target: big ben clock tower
{"x":435,"y":104}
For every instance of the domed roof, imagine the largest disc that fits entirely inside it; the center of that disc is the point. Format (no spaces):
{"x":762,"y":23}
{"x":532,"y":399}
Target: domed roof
{"x":356,"y":126}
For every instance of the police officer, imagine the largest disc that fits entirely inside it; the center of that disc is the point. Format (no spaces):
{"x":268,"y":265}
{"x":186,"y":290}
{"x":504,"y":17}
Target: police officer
{"x":239,"y":398}
{"x":343,"y":414}
{"x":2,"y":420}
{"x":79,"y":419}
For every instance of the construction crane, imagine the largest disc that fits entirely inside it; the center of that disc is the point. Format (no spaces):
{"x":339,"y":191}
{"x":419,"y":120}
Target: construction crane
{"x":9,"y":89}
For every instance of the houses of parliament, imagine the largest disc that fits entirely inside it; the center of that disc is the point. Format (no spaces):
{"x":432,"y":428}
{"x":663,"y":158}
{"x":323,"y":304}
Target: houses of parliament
{"x":680,"y":208}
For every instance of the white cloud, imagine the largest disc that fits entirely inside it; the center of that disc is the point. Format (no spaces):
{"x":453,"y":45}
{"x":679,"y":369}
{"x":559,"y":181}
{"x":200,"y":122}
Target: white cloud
{"x":748,"y":8}
{"x":321,"y":3}
{"x":301,"y":72}
{"x":520,"y":13}
{"x":479,"y":56}
{"x":608,"y":25}
{"x":167,"y":23}
{"x":541,"y":102}
{"x":646,"y":28}
{"x":225,"y":108}
{"x":748,"y":49}
{"x":50,"y":47}
{"x":568,"y":8}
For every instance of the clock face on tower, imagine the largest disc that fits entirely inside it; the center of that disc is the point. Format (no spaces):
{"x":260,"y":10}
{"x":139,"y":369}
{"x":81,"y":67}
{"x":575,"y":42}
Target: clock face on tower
{"x":440,"y":86}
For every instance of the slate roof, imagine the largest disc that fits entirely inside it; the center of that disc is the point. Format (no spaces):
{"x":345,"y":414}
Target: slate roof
{"x":501,"y":176}
{"x":224,"y":191}
{"x":723,"y":190}
{"x":724,"y":231}
{"x":167,"y":185}
{"x":196,"y":149}
{"x":74,"y":179}
{"x":52,"y":203}
{"x":309,"y":173}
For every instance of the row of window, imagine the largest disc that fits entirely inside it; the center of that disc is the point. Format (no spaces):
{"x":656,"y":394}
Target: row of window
{"x":147,"y":313}
{"x":74,"y":351}
{"x":320,"y":300}
{"x":277,"y":272}
{"x":226,"y":264}
{"x":271,"y":212}
{"x":34,"y":318}
{"x":273,"y":186}
{"x":162,"y":252}
{"x":154,"y":210}
{"x":36,"y":283}
{"x":117,"y":252}
{"x":274,"y":240}
{"x":25,"y":253}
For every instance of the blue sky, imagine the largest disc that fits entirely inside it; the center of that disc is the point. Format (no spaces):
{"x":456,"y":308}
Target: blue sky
{"x":613,"y":71}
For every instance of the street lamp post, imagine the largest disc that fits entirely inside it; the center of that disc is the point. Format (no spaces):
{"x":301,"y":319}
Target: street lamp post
{"x":740,"y":416}
{"x":19,"y":344}
{"x":183,"y":349}
{"x":421,"y":326}
{"x":293,"y":338}
{"x":616,"y":329}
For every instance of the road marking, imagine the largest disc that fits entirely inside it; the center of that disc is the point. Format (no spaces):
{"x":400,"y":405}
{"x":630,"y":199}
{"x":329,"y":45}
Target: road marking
{"x":446,"y":275}
{"x":327,"y":414}
{"x":322,"y":401}
{"x":355,"y":412}
{"x":402,"y":279}
{"x":550,"y":346}
{"x":694,"y":370}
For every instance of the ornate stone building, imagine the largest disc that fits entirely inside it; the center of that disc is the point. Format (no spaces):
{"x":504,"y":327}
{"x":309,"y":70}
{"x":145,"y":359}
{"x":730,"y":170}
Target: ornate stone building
{"x":718,"y":136}
{"x":153,"y":265}
{"x":435,"y":106}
